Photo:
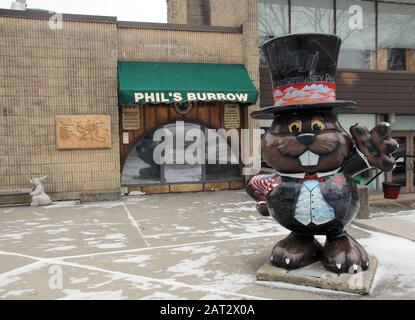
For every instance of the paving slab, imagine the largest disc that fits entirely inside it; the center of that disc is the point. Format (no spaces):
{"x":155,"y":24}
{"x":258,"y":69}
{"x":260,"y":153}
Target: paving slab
{"x":87,"y":283}
{"x":67,"y":229}
{"x":399,"y":225}
{"x":10,"y":262}
{"x":317,"y":276}
{"x":195,"y":217}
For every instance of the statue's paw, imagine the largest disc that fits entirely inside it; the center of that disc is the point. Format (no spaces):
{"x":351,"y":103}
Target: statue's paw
{"x":295,"y":252}
{"x":344,"y":255}
{"x":377,"y":145}
{"x":262,"y":209}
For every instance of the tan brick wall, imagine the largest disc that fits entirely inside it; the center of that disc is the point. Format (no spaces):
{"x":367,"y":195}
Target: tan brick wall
{"x":180,"y":46}
{"x":198,"y":12}
{"x":177,"y":11}
{"x":44,"y":73}
{"x":231,"y":13}
{"x":234,"y":13}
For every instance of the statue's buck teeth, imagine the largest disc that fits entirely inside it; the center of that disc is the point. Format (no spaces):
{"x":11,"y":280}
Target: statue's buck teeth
{"x":309,"y":158}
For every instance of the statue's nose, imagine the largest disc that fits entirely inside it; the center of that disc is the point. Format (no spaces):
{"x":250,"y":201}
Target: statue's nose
{"x":306,"y":138}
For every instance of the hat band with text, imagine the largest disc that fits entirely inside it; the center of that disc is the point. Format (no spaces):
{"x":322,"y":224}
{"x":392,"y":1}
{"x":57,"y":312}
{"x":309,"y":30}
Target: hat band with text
{"x":304,"y":93}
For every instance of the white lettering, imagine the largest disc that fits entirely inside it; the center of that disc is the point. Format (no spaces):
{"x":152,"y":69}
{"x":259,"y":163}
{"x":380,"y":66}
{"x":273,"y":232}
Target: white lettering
{"x":56,"y":22}
{"x":149,"y":97}
{"x":211,"y":96}
{"x":201,"y":96}
{"x":191,"y":97}
{"x":164,"y":99}
{"x":138,"y":96}
{"x":221,"y":96}
{"x":177,"y":97}
{"x":162,"y":152}
{"x":231,"y":97}
{"x":56,"y":279}
{"x":242,"y":97}
{"x":195,"y":152}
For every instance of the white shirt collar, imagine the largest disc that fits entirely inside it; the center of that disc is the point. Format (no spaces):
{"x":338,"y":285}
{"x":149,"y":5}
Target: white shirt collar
{"x":302,"y":175}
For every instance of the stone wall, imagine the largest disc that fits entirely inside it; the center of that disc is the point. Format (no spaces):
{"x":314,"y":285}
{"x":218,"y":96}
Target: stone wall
{"x":44,"y":73}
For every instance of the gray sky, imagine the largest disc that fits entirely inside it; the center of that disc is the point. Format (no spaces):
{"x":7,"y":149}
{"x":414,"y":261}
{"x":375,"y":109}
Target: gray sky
{"x":130,"y":10}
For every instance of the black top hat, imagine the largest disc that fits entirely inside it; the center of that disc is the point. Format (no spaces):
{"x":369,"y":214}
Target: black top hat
{"x":303,"y":70}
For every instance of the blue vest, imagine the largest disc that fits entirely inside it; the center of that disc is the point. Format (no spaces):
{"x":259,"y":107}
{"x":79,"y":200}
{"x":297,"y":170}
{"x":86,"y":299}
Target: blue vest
{"x":311,"y":206}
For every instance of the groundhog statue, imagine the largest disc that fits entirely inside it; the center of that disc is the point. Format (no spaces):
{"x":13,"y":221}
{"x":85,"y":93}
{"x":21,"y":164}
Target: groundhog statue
{"x":315,"y":159}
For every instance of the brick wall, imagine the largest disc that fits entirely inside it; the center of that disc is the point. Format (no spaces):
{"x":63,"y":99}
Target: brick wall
{"x":235,"y":13}
{"x":198,"y":12}
{"x":177,"y":11}
{"x":146,"y":44}
{"x":73,"y":71}
{"x":193,"y":12}
{"x":43,"y":73}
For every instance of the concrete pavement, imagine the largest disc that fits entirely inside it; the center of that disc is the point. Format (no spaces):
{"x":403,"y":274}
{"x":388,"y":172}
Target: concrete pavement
{"x":173,"y":246}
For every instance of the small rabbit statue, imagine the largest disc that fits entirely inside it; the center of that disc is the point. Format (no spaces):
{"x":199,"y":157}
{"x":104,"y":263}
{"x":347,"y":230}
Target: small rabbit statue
{"x":39,"y":197}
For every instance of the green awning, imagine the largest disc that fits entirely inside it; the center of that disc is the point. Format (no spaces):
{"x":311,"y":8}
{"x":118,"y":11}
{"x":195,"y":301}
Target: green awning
{"x":169,"y":82}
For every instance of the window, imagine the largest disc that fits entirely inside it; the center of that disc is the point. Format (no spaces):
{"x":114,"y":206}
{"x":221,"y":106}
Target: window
{"x":140,"y":167}
{"x":219,"y":147}
{"x":192,"y":156}
{"x":312,"y":16}
{"x":356,"y":26}
{"x":273,"y":20}
{"x":396,"y":37}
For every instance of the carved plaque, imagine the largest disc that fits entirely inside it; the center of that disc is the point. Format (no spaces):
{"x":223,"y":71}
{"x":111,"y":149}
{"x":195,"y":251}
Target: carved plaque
{"x":83,"y":132}
{"x":232,"y":116}
{"x":131,"y":118}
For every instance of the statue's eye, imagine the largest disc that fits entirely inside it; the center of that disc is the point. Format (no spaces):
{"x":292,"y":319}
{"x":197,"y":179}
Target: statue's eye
{"x":295,"y":126}
{"x":317,"y":125}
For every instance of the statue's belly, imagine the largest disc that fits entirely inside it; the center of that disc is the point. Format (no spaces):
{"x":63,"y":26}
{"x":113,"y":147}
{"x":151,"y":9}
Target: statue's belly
{"x":313,"y":206}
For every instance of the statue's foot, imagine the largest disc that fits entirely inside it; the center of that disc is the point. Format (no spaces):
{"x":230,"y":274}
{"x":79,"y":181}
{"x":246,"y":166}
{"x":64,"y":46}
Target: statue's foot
{"x":296,"y":251}
{"x":343,"y":254}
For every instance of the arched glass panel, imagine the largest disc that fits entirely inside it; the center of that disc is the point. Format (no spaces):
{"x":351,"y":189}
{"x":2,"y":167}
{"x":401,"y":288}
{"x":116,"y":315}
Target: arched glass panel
{"x":190,"y":153}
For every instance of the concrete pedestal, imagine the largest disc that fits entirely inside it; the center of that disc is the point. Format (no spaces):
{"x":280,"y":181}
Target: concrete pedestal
{"x":316,"y":276}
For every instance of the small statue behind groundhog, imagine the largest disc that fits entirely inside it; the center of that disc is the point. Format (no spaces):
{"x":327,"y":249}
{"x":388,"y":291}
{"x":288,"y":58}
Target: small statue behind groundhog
{"x":39,"y":197}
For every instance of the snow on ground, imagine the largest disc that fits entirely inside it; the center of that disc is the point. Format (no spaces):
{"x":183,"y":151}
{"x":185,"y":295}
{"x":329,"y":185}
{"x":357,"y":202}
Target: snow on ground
{"x":396,"y":262}
{"x":410,"y":214}
{"x":199,"y":246}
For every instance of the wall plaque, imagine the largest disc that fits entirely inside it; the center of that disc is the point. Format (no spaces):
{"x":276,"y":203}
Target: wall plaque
{"x":83,"y":132}
{"x":131,"y":118}
{"x":232,"y":116}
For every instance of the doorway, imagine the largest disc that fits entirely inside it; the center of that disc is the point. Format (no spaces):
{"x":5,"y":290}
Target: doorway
{"x":403,"y":174}
{"x":142,"y":169}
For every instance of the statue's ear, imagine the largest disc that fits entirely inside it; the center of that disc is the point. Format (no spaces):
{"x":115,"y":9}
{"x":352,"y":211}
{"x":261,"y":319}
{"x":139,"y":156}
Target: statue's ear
{"x":43,"y":179}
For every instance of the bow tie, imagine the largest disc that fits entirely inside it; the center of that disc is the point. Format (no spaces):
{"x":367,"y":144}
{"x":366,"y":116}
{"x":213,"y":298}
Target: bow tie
{"x":310,"y":177}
